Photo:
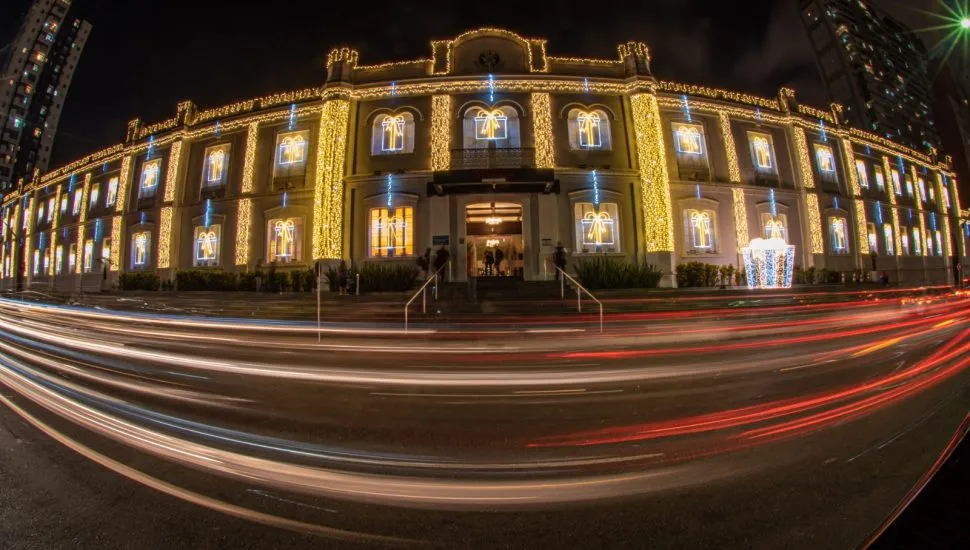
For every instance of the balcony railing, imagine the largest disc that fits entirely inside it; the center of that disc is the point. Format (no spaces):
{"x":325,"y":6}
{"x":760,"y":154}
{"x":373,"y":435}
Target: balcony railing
{"x":477,"y":159}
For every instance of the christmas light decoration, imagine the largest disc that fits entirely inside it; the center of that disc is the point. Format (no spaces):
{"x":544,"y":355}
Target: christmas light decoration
{"x":122,"y":202}
{"x":392,"y":137}
{"x":740,"y":216}
{"x":542,"y":130}
{"x":165,"y":237}
{"x":768,"y":263}
{"x":734,"y":168}
{"x":814,"y":223}
{"x":654,"y":181}
{"x":116,"y":238}
{"x":390,"y":190}
{"x":328,"y":195}
{"x":244,"y":214}
{"x":249,"y":159}
{"x":804,"y":160}
{"x":861,"y":227}
{"x":440,"y":132}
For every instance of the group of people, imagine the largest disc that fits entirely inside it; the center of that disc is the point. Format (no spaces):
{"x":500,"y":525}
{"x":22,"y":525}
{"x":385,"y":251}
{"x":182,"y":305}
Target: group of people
{"x":441,"y":257}
{"x":493,"y":262}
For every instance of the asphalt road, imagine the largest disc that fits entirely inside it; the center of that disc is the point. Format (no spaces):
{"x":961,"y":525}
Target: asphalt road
{"x":797,"y":425}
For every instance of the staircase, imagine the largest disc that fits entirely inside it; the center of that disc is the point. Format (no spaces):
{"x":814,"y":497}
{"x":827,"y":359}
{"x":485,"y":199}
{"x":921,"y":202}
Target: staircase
{"x":504,"y":295}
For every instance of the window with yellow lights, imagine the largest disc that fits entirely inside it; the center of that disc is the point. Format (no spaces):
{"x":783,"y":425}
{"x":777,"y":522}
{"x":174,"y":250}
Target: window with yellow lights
{"x":111,"y":197}
{"x":216,"y":165}
{"x":59,"y":259}
{"x":284,"y":238}
{"x":491,"y":127}
{"x":862,"y":174}
{"x":47,"y":264}
{"x":897,"y":183}
{"x":888,"y":240}
{"x":917,"y":242}
{"x":825,"y":163}
{"x":773,"y":226}
{"x":921,"y":185}
{"x":106,"y":251}
{"x":873,"y":237}
{"x":36,"y":263}
{"x":141,"y":247}
{"x":206,"y":245}
{"x":880,"y":178}
{"x":904,"y":243}
{"x":64,"y":203}
{"x":76,"y":205}
{"x":87,"y":262}
{"x":51,"y":209}
{"x":392,"y":133}
{"x":946,"y":197}
{"x":95,"y":195}
{"x":150,"y":173}
{"x":291,"y":153}
{"x":909,"y":187}
{"x":588,"y":130}
{"x":71,"y":258}
{"x":762,"y":153}
{"x":700,"y":231}
{"x":838,"y":235}
{"x":391,"y":232}
{"x":938,"y":241}
{"x":40,"y":214}
{"x":597,"y":227}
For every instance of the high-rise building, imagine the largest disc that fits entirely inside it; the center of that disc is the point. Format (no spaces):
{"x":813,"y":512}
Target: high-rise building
{"x":875,"y":67}
{"x":34,"y":80}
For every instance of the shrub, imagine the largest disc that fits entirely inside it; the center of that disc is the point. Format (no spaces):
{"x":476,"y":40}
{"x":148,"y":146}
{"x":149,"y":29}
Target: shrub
{"x":600,"y":273}
{"x":691,"y":274}
{"x":727,"y":274}
{"x":246,"y":281}
{"x":205,"y":279}
{"x":139,"y":281}
{"x":381,"y":277}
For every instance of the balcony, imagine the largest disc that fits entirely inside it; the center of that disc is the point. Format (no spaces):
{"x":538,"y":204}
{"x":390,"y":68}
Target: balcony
{"x":480,"y":159}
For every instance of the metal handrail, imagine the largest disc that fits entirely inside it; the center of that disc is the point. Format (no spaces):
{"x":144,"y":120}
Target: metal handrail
{"x":579,"y":289}
{"x":424,"y":294}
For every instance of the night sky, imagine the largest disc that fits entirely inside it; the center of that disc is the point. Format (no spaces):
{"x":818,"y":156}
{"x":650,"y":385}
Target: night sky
{"x":143,"y":57}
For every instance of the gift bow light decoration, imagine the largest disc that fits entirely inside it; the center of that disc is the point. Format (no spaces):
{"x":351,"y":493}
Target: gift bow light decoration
{"x":768,"y":262}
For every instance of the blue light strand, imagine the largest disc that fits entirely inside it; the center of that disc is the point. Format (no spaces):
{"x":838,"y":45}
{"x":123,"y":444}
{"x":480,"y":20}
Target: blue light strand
{"x":757,"y":115}
{"x":868,"y":149}
{"x":835,"y":202}
{"x":697,"y":190}
{"x":902,"y":167}
{"x":393,"y":88}
{"x":878,"y":209}
{"x":390,"y":190}
{"x":933,"y":220}
{"x":97,"y":229}
{"x":286,"y":199}
{"x":208,"y":213}
{"x":104,"y":167}
{"x":774,"y":205}
{"x":821,"y":128}
{"x":686,"y":108}
{"x":151,"y":146}
{"x":43,"y":240}
{"x":292,"y":115}
{"x":70,"y":184}
{"x":596,"y":190}
{"x":141,"y":218}
{"x":491,"y":88}
{"x":909,"y":212}
{"x":586,"y":84}
{"x":217,"y":130}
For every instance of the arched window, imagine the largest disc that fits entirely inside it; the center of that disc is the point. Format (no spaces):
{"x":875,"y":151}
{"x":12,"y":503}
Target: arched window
{"x":888,"y":239}
{"x":486,"y":127}
{"x":700,"y":234}
{"x":597,"y":227}
{"x":393,"y":134}
{"x":825,"y":159}
{"x":292,"y":149}
{"x":216,"y":165}
{"x":589,"y":129}
{"x":112,"y":195}
{"x":285,"y":240}
{"x":839,"y":235}
{"x":207,"y":243}
{"x":140,"y":250}
{"x":391,"y":231}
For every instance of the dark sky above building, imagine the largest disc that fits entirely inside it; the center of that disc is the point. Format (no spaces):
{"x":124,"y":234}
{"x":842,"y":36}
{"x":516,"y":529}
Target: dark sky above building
{"x":145,"y":56}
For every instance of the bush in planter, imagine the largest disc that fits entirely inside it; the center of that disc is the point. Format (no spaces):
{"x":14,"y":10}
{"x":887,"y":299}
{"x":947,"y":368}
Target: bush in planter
{"x":727,"y":274}
{"x":205,"y":279}
{"x":246,"y":281}
{"x":139,"y":281}
{"x":600,"y":273}
{"x":691,"y":274}
{"x":381,"y":277}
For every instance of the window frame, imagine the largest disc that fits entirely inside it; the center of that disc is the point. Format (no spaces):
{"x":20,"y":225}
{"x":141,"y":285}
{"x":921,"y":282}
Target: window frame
{"x":843,"y":219}
{"x":146,"y":192}
{"x":753,"y":138}
{"x":225,"y":149}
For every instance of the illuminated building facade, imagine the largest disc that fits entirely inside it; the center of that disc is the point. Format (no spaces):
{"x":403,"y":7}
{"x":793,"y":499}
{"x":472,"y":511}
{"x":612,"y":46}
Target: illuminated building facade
{"x":490,"y":143}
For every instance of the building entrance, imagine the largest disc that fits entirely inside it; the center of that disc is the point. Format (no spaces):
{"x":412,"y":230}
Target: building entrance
{"x":493,"y":240}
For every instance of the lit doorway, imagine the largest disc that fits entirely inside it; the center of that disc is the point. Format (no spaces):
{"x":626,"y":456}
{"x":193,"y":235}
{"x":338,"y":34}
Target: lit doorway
{"x":493,"y":240}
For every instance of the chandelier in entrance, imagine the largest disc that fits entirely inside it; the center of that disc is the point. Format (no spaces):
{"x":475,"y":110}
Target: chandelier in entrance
{"x":493,"y":220}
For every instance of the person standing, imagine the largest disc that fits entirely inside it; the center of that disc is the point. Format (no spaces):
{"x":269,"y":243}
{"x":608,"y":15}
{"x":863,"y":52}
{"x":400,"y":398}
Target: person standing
{"x":559,"y":258}
{"x":489,"y":261}
{"x":342,"y":277}
{"x":440,"y":260}
{"x":499,"y":256}
{"x":424,"y":264}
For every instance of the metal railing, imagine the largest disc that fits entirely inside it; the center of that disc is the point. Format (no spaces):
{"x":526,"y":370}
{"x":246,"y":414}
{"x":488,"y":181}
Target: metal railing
{"x":423,"y":291}
{"x":493,"y":157}
{"x":579,"y":290}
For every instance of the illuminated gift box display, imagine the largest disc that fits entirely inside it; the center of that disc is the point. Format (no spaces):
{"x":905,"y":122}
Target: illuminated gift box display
{"x":768,"y":263}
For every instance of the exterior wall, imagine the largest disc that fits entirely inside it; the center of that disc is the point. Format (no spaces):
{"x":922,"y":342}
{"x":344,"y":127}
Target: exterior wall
{"x":339,"y":165}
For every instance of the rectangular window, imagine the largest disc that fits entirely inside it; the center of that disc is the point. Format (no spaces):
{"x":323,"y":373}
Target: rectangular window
{"x":150,"y":173}
{"x":825,"y":159}
{"x":917,"y":243}
{"x":861,"y":173}
{"x":64,"y":203}
{"x":106,"y":251}
{"x":839,"y":235}
{"x":880,"y":179}
{"x":51,"y":209}
{"x":36,"y":263}
{"x":688,"y":139}
{"x":76,"y":208}
{"x":111,"y":197}
{"x":596,"y":228}
{"x":939,"y":243}
{"x":216,"y":165}
{"x":391,"y":232}
{"x":873,"y":237}
{"x":285,"y":240}
{"x":897,"y":184}
{"x":904,"y":238}
{"x":207,"y":242}
{"x":762,"y":152}
{"x":291,"y":154}
{"x":141,"y":249}
{"x":71,"y":259}
{"x":774,"y":226}
{"x":88,"y":263}
{"x":95,"y":194}
{"x":909,"y":186}
{"x":58,"y":259}
{"x":946,"y":196}
{"x":700,"y":234}
{"x":40,"y":214}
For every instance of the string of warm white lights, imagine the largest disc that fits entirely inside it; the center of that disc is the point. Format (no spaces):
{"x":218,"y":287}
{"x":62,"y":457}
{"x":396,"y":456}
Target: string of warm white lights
{"x":734,"y":168}
{"x":249,"y":161}
{"x":441,"y":132}
{"x":116,"y":241}
{"x":171,"y":176}
{"x":165,"y":237}
{"x":124,"y":180}
{"x":542,"y":130}
{"x":740,"y":217}
{"x":814,"y":223}
{"x":328,"y":194}
{"x":654,"y":181}
{"x":81,"y":220}
{"x":244,"y":215}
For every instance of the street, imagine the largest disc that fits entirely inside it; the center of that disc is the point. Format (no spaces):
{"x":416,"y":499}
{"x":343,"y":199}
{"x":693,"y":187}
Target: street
{"x":796,"y":425}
